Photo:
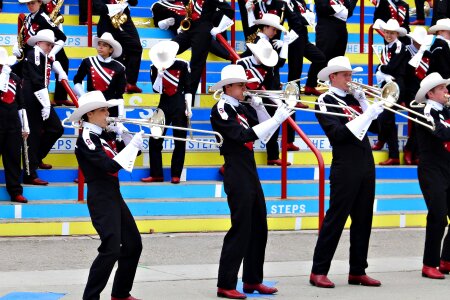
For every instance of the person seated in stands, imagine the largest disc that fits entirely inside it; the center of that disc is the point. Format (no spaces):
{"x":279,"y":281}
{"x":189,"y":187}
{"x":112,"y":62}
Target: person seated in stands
{"x":441,"y":10}
{"x":104,"y":73}
{"x":440,"y":49}
{"x":13,"y":126}
{"x":169,"y":79}
{"x":394,"y":59}
{"x":392,"y":9}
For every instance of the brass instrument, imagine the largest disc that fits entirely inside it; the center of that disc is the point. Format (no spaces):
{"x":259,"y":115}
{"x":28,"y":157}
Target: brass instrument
{"x":25,"y":152}
{"x":55,"y":16}
{"x":185,"y":24}
{"x":120,"y":18}
{"x":20,"y":41}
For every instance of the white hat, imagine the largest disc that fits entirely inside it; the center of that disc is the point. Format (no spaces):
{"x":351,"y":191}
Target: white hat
{"x":431,"y":81}
{"x":392,"y":25}
{"x":44,"y":35}
{"x":270,"y":20}
{"x":232,"y":74}
{"x":26,"y":1}
{"x":163,"y":54}
{"x":109,"y":39}
{"x":419,"y":35}
{"x":264,"y":52}
{"x":89,"y":102}
{"x":337,"y":64}
{"x":442,"y":24}
{"x":5,"y":59}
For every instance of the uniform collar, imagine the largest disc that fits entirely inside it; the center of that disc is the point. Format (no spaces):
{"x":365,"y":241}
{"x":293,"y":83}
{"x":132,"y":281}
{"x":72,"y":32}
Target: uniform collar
{"x":435,"y":105}
{"x":392,"y":43}
{"x":263,"y":36}
{"x":230,"y":100}
{"x":92,"y":127}
{"x":254,"y":61}
{"x":40,"y":50}
{"x":105,"y":60}
{"x":337,"y":91}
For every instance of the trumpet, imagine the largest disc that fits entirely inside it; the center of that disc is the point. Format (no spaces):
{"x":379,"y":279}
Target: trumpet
{"x":185,"y":24}
{"x":120,"y":18}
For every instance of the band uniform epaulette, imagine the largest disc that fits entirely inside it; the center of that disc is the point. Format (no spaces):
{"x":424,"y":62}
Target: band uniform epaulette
{"x":87,"y":139}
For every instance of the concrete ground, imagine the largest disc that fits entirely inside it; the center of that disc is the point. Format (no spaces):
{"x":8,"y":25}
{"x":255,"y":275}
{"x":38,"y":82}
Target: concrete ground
{"x":184,"y":266}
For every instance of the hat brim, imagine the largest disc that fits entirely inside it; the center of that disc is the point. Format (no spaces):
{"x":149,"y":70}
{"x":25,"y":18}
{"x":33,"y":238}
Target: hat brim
{"x":113,"y":43}
{"x":420,"y":96}
{"x":224,"y":82}
{"x":35,"y":38}
{"x":79,"y":112}
{"x":327,"y":71}
{"x":172,"y":53}
{"x":401,"y":31}
{"x":264,"y":22}
{"x":270,"y":61}
{"x":25,"y":1}
{"x":436,"y":28}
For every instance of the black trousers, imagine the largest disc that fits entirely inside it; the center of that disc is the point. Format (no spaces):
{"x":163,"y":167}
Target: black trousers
{"x":175,"y":117}
{"x":43,"y":134}
{"x":10,"y":148}
{"x":420,"y":12}
{"x":387,"y":132}
{"x":60,"y":92}
{"x":121,"y":241}
{"x":198,"y":38}
{"x":130,"y":42}
{"x":82,"y":7}
{"x":331,"y":39}
{"x":435,"y":185}
{"x":272,"y":147}
{"x":411,"y":143}
{"x":352,"y":192}
{"x":246,"y":240}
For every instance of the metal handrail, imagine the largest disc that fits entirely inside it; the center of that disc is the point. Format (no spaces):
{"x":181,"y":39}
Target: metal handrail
{"x":370,"y":53}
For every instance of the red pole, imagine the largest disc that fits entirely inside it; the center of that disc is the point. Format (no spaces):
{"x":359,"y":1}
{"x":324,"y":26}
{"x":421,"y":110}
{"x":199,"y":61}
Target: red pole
{"x":361,"y":27}
{"x":233,"y":55}
{"x":370,"y":62}
{"x":89,"y":17}
{"x":284,"y":161}
{"x":233,"y":27}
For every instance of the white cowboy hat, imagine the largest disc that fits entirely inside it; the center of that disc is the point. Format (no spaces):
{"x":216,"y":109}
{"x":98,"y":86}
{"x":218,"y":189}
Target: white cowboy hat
{"x":419,"y":35}
{"x":232,"y":74}
{"x":270,"y":20}
{"x":264,"y":52}
{"x":109,"y":39}
{"x":442,"y":24}
{"x":89,"y":102}
{"x":392,"y":25}
{"x":163,"y":54}
{"x":5,"y":59}
{"x":44,"y":35}
{"x":431,"y":81}
{"x":337,"y":64}
{"x":26,"y":1}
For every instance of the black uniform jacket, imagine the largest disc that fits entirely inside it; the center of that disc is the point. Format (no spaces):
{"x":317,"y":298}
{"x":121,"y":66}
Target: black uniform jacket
{"x":36,"y":72}
{"x":107,"y":76}
{"x":165,"y":9}
{"x":100,"y":7}
{"x":324,"y":10}
{"x":393,"y":9}
{"x":10,"y":102}
{"x":440,"y":54}
{"x":263,"y":73}
{"x":395,"y":59}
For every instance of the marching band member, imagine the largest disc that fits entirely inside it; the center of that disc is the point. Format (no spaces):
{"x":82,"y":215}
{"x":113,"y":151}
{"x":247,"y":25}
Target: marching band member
{"x":434,"y":173}
{"x":104,"y":73}
{"x":440,"y":49}
{"x":111,"y":217}
{"x":126,"y":34}
{"x":45,"y":125}
{"x":352,"y":177}
{"x":394,"y":59}
{"x":441,"y":10}
{"x":200,"y":33}
{"x":240,"y":126}
{"x":13,"y":126}
{"x":34,"y":22}
{"x":392,"y":9}
{"x":331,"y":32}
{"x":169,"y":78}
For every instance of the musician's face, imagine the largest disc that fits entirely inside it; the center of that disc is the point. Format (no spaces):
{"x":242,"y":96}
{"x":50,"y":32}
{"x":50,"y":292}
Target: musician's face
{"x":438,"y":94}
{"x":269,"y":31}
{"x":390,"y":36}
{"x":236,"y":90}
{"x":34,"y":6}
{"x":340,"y":80}
{"x":444,"y":33}
{"x":104,"y":49}
{"x":45,"y":46}
{"x":98,"y":117}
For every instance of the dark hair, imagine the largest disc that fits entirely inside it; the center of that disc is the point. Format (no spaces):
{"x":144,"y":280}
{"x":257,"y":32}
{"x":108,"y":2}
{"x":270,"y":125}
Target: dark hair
{"x":85,"y":117}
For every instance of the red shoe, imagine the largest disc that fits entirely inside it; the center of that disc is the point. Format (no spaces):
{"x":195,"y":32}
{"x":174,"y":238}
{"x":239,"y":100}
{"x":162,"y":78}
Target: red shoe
{"x":312,"y":91}
{"x":19,"y":199}
{"x":363,"y":280}
{"x":260,"y":288}
{"x":301,"y":105}
{"x":64,"y":103}
{"x":390,"y":162}
{"x":417,"y":22}
{"x":45,"y":166}
{"x":378,"y":145}
{"x":132,"y":88}
{"x":222,"y":170}
{"x":152,"y":179}
{"x":127,"y":298}
{"x":230,"y":294}
{"x":407,"y":157}
{"x":272,"y":162}
{"x":444,"y":267}
{"x":292,"y":147}
{"x":34,"y":181}
{"x":320,"y":281}
{"x":432,"y":273}
{"x":175,"y":180}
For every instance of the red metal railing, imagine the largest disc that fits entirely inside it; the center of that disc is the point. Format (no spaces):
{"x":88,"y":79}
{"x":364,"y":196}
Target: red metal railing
{"x":361,"y":26}
{"x":370,"y":54}
{"x":89,"y":19}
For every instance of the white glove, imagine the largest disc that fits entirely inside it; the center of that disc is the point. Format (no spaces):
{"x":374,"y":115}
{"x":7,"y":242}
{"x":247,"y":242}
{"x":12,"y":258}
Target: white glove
{"x":374,"y":110}
{"x":282,"y":113}
{"x":166,"y":23}
{"x":249,"y":5}
{"x":78,"y":88}
{"x":17,"y":52}
{"x":179,"y":30}
{"x":24,"y":120}
{"x":383,"y":77}
{"x":359,"y":94}
{"x":6,"y":70}
{"x":359,"y":126}
{"x":57,"y":68}
{"x":4,"y":78}
{"x":223,"y":25}
{"x":127,"y":156}
{"x":256,"y":101}
{"x":58,"y":46}
{"x":44,"y":98}
{"x":45,"y":112}
{"x":284,"y":50}
{"x":266,"y":129}
{"x":310,"y":17}
{"x":188,"y":100}
{"x":117,"y":127}
{"x":137,"y":141}
{"x":114,"y":9}
{"x":341,"y":13}
{"x":277,"y":44}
